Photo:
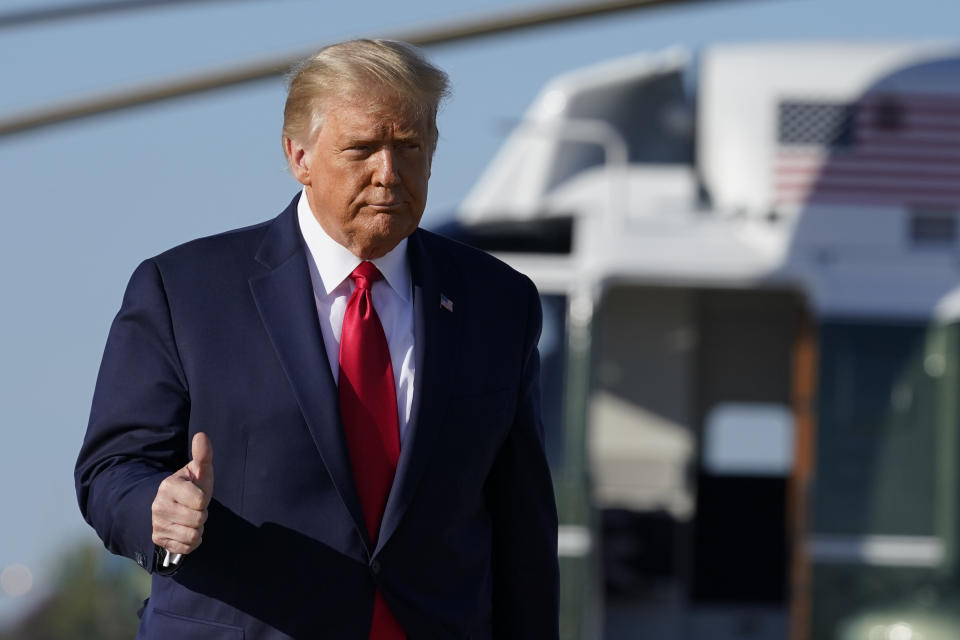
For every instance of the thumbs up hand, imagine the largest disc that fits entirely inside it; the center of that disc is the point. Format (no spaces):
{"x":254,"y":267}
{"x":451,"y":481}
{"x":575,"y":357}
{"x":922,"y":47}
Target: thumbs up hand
{"x":180,"y":508}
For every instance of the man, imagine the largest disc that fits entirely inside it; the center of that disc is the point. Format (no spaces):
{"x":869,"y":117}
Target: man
{"x":328,"y":425}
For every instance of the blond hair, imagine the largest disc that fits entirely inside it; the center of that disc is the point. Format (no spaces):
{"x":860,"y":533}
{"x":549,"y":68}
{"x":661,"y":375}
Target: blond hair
{"x":361,"y":66}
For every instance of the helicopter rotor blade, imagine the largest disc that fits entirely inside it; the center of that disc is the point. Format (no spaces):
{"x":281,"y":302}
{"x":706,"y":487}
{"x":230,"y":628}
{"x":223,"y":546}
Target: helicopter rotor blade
{"x":272,"y":67}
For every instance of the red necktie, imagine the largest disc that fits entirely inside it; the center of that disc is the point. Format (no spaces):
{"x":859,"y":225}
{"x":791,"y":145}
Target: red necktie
{"x":368,"y":407}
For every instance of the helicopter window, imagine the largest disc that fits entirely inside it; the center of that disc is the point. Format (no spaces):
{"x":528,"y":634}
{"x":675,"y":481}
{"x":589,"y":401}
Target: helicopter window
{"x":877,"y":433}
{"x":933,"y":228}
{"x":653,"y":114}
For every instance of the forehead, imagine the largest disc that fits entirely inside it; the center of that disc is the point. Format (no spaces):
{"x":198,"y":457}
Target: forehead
{"x":373,"y":112}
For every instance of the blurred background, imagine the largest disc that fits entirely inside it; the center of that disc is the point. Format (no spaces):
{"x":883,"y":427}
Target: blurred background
{"x":741,"y":215}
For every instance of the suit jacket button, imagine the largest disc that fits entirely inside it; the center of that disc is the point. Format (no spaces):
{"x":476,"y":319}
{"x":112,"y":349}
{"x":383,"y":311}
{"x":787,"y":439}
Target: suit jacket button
{"x":375,"y":567}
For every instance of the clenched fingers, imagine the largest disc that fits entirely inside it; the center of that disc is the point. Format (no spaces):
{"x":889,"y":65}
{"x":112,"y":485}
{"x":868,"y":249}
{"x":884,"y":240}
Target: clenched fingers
{"x":178,"y":513}
{"x":180,"y":489}
{"x":165,"y":512}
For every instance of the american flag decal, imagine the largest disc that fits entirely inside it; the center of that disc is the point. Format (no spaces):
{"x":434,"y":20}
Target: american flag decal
{"x":446,"y":303}
{"x":896,"y":150}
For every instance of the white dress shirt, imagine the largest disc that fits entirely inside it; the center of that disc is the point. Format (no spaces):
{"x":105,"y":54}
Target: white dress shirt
{"x":330,"y":267}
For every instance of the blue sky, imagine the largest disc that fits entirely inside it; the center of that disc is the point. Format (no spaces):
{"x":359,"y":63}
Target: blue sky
{"x":83,"y":203}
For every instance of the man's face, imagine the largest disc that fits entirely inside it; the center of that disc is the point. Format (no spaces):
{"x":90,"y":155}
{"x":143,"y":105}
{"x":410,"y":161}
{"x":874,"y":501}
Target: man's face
{"x":366,"y":172}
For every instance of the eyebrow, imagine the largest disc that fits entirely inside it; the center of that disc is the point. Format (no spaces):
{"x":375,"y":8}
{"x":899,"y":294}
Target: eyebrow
{"x":351,"y":139}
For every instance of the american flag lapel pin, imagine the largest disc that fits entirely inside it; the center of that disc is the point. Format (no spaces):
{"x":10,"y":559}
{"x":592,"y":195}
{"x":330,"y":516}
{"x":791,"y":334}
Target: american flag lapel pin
{"x":446,"y":303}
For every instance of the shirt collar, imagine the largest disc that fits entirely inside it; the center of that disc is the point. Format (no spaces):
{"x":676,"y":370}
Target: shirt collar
{"x":335,"y":263}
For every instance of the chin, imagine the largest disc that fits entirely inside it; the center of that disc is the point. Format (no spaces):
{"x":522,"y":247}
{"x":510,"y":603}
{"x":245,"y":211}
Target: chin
{"x":395,"y":226}
{"x":382,"y":232}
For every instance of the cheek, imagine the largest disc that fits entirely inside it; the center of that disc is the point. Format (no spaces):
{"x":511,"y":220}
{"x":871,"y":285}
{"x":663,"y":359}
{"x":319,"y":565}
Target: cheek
{"x":349,"y":185}
{"x":416,"y":179}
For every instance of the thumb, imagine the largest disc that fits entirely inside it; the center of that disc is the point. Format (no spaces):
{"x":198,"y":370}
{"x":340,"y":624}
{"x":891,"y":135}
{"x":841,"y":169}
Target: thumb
{"x":201,"y":467}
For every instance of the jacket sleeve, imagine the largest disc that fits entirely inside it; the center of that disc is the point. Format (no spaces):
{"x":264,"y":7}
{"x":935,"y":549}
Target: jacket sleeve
{"x":524,"y":515}
{"x":137,"y":434}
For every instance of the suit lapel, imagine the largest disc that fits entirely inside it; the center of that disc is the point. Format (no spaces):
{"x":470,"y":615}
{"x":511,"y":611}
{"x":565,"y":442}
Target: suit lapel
{"x":284,"y":299}
{"x":436,"y":335}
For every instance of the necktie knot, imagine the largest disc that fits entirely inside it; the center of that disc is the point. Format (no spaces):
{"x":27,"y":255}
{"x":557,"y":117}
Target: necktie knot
{"x":365,"y":275}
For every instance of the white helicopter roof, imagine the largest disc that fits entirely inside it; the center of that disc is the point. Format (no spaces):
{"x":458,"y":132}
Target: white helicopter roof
{"x":716,"y":218}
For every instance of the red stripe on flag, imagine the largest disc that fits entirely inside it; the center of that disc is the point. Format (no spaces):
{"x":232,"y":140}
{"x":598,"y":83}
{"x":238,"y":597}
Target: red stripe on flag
{"x":905,"y":150}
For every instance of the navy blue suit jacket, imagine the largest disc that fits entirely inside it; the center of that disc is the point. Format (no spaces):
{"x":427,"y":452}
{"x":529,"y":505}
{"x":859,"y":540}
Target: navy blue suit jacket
{"x":221,"y":335}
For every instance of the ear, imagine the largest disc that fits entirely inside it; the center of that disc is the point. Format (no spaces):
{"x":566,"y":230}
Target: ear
{"x":298,"y":160}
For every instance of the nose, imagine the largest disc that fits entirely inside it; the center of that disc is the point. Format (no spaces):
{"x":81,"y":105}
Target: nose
{"x":385,"y":169}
